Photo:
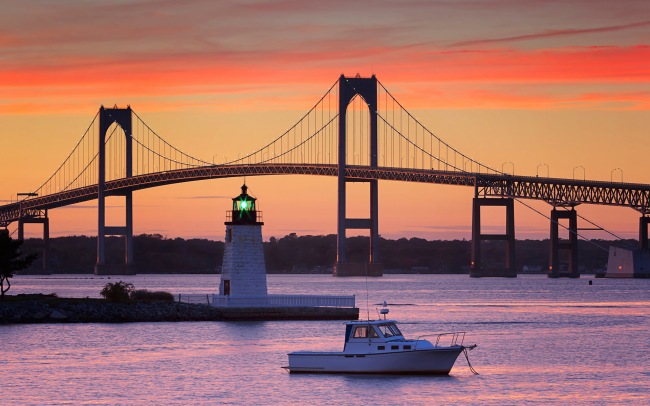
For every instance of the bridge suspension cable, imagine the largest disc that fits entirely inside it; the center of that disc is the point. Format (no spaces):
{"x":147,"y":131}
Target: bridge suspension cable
{"x":412,"y":141}
{"x":403,"y":133}
{"x":626,"y":242}
{"x":76,"y":170}
{"x":152,"y":153}
{"x":312,"y":139}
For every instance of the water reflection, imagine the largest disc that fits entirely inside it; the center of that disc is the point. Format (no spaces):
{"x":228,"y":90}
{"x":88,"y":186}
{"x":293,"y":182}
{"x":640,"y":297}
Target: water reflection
{"x":540,"y":341}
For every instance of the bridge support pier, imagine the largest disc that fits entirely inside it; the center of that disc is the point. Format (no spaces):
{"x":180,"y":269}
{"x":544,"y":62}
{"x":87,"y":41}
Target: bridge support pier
{"x":348,"y":89}
{"x":127,"y":268}
{"x":643,"y":231}
{"x":372,"y":267}
{"x":557,"y":246}
{"x":42,"y":219}
{"x":106,"y":118}
{"x":476,"y":268}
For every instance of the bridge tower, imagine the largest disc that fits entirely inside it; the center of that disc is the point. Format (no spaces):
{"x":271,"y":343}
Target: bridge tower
{"x":123,"y":118}
{"x":557,"y":245}
{"x":348,"y":89}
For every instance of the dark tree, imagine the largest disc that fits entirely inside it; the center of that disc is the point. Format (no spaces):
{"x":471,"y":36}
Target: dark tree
{"x":11,"y":259}
{"x":117,"y":292}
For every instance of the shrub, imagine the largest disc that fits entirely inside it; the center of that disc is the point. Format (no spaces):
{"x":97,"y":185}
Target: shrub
{"x":143,"y":295}
{"x":117,"y":292}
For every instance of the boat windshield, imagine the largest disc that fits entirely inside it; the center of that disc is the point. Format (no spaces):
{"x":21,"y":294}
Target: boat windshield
{"x":389,"y":330}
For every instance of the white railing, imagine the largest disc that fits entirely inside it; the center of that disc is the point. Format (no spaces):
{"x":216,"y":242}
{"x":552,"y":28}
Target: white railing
{"x":270,"y":300}
{"x":312,"y":300}
{"x":446,"y":339}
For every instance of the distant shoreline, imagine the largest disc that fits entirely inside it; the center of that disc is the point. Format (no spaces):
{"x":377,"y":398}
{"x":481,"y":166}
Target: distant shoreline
{"x":293,"y":254}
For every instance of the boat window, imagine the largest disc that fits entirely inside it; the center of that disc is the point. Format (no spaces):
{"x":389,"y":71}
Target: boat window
{"x":364,"y":332}
{"x":381,"y":347}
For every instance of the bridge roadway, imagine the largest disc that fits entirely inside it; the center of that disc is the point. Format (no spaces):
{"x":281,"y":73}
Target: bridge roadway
{"x":556,"y":191}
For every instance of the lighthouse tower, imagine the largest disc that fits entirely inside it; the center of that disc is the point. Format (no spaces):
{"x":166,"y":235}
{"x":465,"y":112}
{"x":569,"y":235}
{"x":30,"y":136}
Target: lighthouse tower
{"x":243,"y":272}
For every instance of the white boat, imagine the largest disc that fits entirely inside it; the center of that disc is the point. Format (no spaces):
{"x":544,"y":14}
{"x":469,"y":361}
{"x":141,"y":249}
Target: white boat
{"x":379,"y":347}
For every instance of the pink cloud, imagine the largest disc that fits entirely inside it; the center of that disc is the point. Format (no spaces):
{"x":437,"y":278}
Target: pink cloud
{"x":77,"y":80}
{"x":552,"y":33}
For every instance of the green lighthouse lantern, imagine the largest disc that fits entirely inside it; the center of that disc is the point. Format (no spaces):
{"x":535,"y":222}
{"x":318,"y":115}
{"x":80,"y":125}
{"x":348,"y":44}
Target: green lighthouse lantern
{"x":244,"y":209}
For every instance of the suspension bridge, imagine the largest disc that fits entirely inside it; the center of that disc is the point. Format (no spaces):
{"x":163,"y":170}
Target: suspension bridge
{"x":357,"y":132}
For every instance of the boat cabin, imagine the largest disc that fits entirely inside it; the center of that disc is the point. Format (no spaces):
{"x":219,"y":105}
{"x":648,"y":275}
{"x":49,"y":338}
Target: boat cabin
{"x":375,"y":331}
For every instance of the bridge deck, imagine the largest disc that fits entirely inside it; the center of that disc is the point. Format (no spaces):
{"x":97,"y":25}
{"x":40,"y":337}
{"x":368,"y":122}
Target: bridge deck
{"x":556,"y":191}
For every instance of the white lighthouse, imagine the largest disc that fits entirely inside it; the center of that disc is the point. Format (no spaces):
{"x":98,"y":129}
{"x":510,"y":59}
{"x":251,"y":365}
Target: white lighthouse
{"x":243,"y":272}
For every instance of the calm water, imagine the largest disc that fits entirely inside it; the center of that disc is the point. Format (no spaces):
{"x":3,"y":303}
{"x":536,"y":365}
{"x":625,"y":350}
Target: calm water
{"x":540,"y":340}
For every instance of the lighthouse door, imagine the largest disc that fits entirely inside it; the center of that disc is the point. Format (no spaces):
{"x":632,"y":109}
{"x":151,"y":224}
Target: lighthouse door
{"x":226,"y":287}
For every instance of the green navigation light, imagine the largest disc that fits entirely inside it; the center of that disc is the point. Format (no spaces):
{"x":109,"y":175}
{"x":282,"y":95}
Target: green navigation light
{"x":243,"y":204}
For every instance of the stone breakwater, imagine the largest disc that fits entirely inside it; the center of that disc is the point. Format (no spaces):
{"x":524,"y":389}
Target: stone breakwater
{"x":96,"y":311}
{"x":61,"y":310}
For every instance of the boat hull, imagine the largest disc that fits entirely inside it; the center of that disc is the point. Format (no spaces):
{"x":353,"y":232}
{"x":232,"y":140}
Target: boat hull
{"x":438,"y":361}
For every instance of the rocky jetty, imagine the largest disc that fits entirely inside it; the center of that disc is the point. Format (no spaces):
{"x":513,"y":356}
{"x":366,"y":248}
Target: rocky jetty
{"x":48,"y":309}
{"x":63,"y":310}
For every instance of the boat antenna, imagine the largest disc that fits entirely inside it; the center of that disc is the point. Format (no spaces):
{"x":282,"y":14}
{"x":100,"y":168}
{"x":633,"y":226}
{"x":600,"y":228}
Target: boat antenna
{"x":367,"y":300}
{"x":367,"y":307}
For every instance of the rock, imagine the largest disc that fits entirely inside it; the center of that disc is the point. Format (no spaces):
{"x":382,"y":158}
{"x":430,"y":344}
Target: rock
{"x":58,"y":315}
{"x":40,"y":315}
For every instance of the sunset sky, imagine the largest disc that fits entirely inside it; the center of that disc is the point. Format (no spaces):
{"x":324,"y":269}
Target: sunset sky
{"x":555,"y":88}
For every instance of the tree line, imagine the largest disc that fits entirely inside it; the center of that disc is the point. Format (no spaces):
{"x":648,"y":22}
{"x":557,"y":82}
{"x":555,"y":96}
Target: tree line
{"x":305,"y":254}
